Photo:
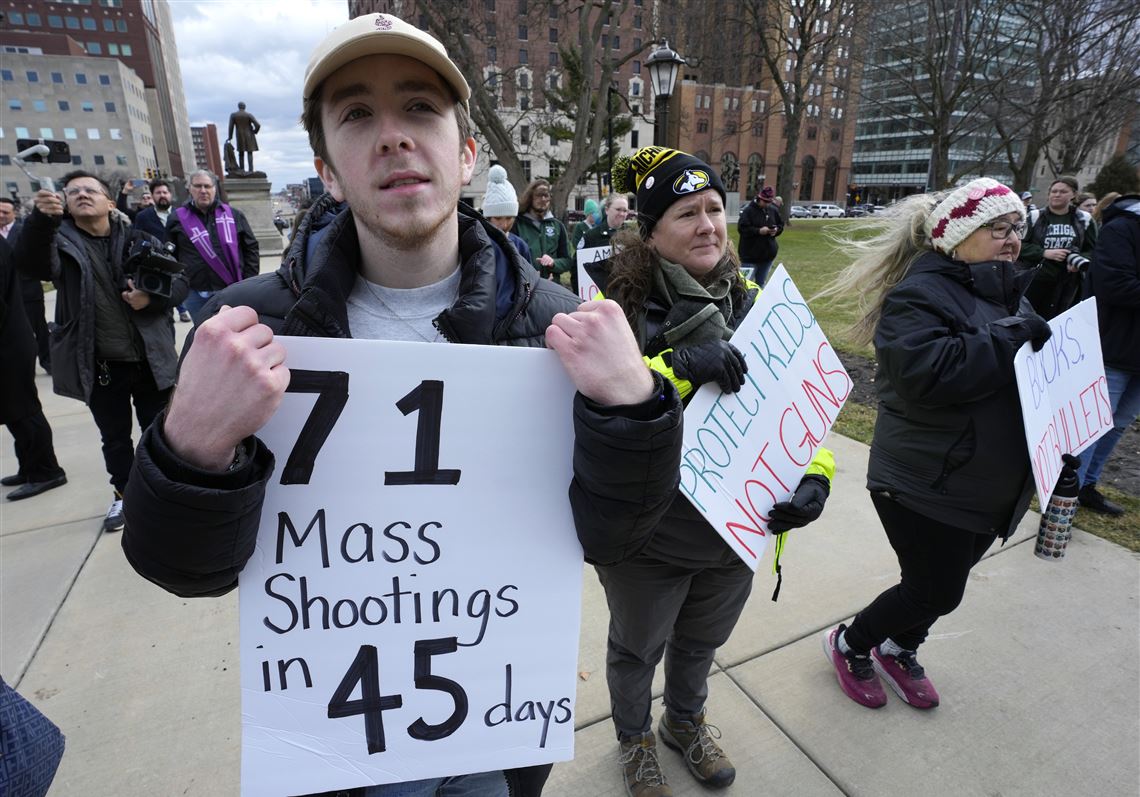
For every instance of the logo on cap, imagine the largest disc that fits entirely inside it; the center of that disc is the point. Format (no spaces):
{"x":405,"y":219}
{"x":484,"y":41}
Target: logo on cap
{"x":691,"y":180}
{"x":383,"y":23}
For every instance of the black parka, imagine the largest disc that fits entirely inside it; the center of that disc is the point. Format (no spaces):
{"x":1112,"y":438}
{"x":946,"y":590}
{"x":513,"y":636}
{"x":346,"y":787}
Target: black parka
{"x":949,"y":442}
{"x":1115,"y":280}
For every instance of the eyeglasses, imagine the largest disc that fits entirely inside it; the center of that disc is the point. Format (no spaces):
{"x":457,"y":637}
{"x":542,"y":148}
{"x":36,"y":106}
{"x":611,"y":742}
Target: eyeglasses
{"x":542,"y":193}
{"x":1000,"y":230}
{"x":83,"y":189}
{"x":205,"y":187}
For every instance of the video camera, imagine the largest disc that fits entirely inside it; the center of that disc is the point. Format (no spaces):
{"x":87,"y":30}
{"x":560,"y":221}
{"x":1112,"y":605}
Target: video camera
{"x":153,"y":268}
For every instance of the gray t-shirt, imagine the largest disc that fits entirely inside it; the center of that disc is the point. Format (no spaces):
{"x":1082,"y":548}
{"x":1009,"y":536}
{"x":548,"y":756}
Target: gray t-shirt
{"x":379,"y":313}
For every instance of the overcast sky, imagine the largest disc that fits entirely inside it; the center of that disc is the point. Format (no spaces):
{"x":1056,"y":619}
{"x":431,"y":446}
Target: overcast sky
{"x":256,"y":53}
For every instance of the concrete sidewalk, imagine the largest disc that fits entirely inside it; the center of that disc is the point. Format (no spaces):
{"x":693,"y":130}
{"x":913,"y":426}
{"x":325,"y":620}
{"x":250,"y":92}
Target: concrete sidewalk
{"x":1038,"y":668}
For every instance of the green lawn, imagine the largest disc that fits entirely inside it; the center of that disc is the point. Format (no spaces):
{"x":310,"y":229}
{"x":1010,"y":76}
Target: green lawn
{"x":812,"y":260}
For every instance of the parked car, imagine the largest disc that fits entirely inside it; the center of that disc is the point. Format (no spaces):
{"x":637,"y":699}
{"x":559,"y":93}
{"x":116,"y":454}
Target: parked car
{"x":799,"y":212}
{"x":825,"y":210}
{"x":856,"y":212}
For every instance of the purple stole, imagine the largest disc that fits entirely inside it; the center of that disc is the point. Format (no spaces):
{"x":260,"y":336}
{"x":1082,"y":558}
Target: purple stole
{"x":228,"y":267}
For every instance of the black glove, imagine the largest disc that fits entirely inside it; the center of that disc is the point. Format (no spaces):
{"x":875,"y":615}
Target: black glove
{"x":805,"y":505}
{"x":1038,"y":328}
{"x":716,"y":361}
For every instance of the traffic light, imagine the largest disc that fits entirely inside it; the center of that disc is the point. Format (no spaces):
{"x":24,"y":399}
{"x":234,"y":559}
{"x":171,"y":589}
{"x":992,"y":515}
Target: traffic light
{"x":150,"y":174}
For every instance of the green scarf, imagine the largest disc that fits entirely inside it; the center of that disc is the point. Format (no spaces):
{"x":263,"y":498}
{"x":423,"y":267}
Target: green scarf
{"x":697,"y":313}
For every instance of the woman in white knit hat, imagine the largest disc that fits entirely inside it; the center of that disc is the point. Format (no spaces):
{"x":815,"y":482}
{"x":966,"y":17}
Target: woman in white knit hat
{"x":501,"y":207}
{"x":943,"y":301}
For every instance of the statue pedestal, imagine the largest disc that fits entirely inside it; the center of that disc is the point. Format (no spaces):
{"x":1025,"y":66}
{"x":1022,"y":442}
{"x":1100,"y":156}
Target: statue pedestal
{"x":250,"y":195}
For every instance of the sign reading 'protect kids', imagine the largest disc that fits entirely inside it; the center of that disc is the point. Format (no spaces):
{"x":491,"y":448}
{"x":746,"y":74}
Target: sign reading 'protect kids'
{"x":746,"y":451}
{"x":412,"y":607}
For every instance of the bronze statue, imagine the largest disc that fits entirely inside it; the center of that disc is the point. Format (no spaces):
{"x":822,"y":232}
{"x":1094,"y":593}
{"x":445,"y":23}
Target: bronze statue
{"x":247,"y":128}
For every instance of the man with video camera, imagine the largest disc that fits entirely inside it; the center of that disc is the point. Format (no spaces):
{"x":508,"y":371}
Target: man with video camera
{"x":114,"y":341}
{"x":1058,"y":244}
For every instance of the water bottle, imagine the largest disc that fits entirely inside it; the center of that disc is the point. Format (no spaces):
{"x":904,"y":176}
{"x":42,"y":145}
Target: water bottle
{"x":1057,"y":517}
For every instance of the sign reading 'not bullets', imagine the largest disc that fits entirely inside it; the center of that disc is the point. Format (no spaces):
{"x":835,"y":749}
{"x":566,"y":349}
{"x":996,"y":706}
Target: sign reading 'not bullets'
{"x":746,"y":451}
{"x":1064,"y":394}
{"x":412,"y":607}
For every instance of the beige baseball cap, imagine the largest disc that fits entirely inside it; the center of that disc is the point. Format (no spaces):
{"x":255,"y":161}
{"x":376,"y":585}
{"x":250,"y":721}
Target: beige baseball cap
{"x":381,"y":34}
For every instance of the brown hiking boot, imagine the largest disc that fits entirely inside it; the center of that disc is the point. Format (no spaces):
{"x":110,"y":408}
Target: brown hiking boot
{"x":643,"y":776}
{"x":695,"y":740}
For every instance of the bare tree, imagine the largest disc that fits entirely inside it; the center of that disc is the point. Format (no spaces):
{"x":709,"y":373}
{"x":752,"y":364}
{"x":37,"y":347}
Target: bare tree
{"x":1072,"y":79}
{"x":583,"y":29}
{"x":795,"y":42}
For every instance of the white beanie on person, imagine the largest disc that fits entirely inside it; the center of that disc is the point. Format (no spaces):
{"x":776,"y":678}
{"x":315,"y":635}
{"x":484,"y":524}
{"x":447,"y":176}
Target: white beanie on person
{"x":967,"y":208}
{"x":500,"y":199}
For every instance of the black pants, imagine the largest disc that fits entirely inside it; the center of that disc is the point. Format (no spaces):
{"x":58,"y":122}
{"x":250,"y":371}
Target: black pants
{"x":110,"y":404}
{"x":34,"y":309}
{"x":35,"y":452}
{"x":935,"y":560}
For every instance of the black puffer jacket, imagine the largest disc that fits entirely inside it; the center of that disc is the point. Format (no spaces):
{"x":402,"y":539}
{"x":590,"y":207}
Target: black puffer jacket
{"x":1115,"y":279}
{"x":191,"y":532}
{"x":949,"y":441}
{"x":52,"y":248}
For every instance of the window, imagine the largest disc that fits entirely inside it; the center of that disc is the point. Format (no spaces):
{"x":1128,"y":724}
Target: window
{"x":89,"y":24}
{"x":524,"y":134}
{"x":39,"y":105}
{"x":552,"y":58}
{"x":553,"y":13}
{"x":635,"y":88}
{"x":72,"y":23}
{"x":708,"y":99}
{"x":109,"y":107}
{"x":617,"y":42}
{"x":126,"y":49}
{"x":835,"y":134}
{"x":758,"y":130}
{"x":552,"y":36}
{"x":553,"y":140}
{"x":492,"y":53}
{"x":76,"y":160}
{"x":636,"y":43}
{"x":56,"y":77}
{"x":121,"y":160}
{"x":113,"y":48}
{"x":33,"y":77}
{"x":526,"y":170}
{"x":47,"y":132}
{"x":80,"y":79}
{"x":637,"y":21}
{"x":98,"y":160}
{"x":522,"y":32}
{"x":16,"y":18}
{"x":109,"y":25}
{"x":33,"y":20}
{"x":726,"y":103}
{"x":489,"y":5}
{"x":88,"y":107}
{"x":522,"y":10}
{"x":633,"y":137}
{"x":637,"y":67}
{"x":104,"y":80}
{"x":524,"y":102}
{"x":6,"y":75}
{"x":55,"y":21}
{"x":553,"y":81}
{"x":812,"y":133}
{"x":15,"y":105}
{"x":70,"y":134}
{"x":121,"y":25}
{"x":523,"y":56}
{"x":64,"y":105}
{"x":92,"y":134}
{"x":492,"y":32}
{"x":95,"y":48}
{"x":702,"y":125}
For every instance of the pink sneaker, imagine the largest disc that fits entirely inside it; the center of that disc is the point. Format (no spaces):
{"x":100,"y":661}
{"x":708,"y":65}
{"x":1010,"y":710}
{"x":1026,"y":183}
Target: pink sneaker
{"x":856,"y":674}
{"x":906,"y":676}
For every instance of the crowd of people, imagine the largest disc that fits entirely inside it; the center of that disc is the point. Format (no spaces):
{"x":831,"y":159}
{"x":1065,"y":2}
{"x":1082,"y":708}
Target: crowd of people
{"x":951,"y":286}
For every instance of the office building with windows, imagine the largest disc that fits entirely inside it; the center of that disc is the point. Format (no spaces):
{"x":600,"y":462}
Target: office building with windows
{"x":97,"y":105}
{"x":207,"y":155}
{"x":139,"y":33}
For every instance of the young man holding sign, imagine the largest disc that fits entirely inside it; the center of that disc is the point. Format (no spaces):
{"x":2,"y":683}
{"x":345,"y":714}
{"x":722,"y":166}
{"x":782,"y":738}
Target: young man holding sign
{"x":386,"y":112}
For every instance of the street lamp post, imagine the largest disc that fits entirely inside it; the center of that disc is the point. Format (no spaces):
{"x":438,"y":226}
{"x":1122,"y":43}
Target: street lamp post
{"x":663,"y":65}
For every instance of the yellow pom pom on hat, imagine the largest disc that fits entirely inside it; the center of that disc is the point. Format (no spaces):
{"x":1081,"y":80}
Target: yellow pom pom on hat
{"x":660,"y":176}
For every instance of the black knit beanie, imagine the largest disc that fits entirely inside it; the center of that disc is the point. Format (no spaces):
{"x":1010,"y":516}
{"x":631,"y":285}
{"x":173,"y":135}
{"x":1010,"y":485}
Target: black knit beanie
{"x":660,"y":176}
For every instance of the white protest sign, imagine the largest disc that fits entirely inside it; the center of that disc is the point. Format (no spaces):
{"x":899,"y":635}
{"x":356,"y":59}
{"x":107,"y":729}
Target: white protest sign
{"x":412,"y":607}
{"x":1064,"y":395}
{"x":587,"y":289}
{"x":746,"y":451}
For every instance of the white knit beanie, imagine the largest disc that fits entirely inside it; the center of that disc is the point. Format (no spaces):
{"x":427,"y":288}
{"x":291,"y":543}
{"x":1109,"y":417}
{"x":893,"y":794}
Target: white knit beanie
{"x":967,"y":208}
{"x":500,"y":199}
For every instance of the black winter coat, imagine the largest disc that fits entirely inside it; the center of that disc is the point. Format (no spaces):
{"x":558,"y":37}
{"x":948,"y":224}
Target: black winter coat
{"x":53,"y":248}
{"x":1115,"y":279}
{"x":18,"y":397}
{"x":198,"y":272}
{"x":754,"y":247}
{"x":949,"y":441}
{"x":191,"y":532}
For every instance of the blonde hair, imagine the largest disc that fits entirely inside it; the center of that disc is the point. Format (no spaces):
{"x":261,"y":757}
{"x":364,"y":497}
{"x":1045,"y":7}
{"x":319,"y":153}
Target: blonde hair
{"x":881,"y":260}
